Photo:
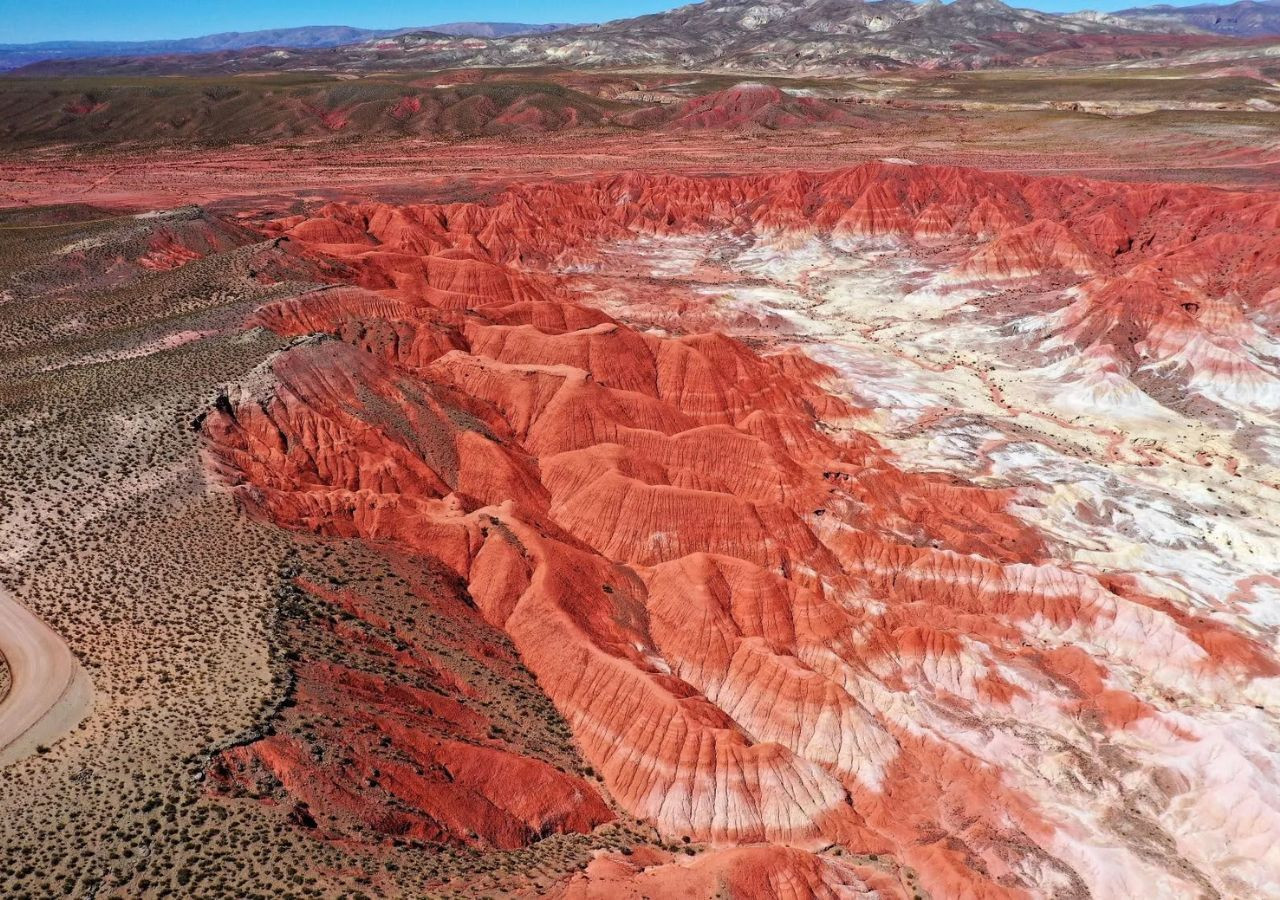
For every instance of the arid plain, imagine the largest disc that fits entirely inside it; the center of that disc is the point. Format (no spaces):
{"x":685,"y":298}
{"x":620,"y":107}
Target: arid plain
{"x":641,"y":483}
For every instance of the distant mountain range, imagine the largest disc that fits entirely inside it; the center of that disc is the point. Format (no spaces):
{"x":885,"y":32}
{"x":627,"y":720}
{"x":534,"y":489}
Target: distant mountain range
{"x":791,"y":36}
{"x":493,"y":29}
{"x":1247,"y":18}
{"x":307,"y":37}
{"x":813,"y":36}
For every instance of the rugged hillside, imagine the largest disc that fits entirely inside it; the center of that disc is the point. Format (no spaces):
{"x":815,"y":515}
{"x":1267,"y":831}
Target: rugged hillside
{"x":116,"y":331}
{"x":183,"y":112}
{"x":228,"y":111}
{"x":843,"y":609}
{"x":798,"y":36}
{"x":280,"y":108}
{"x":812,"y":36}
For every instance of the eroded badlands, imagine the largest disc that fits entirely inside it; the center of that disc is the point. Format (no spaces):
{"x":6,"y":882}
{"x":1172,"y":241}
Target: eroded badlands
{"x":903,"y":529}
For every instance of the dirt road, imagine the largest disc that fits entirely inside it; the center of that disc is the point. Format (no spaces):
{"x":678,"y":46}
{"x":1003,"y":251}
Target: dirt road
{"x":49,"y":693}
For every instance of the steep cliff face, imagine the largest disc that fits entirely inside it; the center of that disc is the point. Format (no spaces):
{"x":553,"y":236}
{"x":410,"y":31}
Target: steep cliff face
{"x":764,"y":629}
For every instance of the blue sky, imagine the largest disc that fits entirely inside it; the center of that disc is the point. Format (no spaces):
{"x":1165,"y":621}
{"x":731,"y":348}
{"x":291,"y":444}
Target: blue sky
{"x":40,"y":20}
{"x":119,"y":20}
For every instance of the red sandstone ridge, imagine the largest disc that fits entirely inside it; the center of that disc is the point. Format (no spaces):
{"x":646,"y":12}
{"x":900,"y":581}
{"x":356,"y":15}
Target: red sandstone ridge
{"x":408,"y":720}
{"x":173,"y":244}
{"x":750,"y":104}
{"x":761,"y":631}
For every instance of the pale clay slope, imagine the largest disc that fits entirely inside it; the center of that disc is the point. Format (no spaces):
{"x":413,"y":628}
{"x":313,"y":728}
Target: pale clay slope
{"x":1120,"y":481}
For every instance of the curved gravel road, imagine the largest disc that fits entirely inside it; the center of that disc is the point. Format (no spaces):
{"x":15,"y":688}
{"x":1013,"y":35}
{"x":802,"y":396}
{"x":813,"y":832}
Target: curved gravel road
{"x":49,"y":691}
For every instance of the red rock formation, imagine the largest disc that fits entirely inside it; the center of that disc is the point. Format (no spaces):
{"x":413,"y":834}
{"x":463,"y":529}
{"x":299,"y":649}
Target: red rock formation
{"x":750,"y":617}
{"x":759,"y":105}
{"x":174,"y":242}
{"x":393,"y":728}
